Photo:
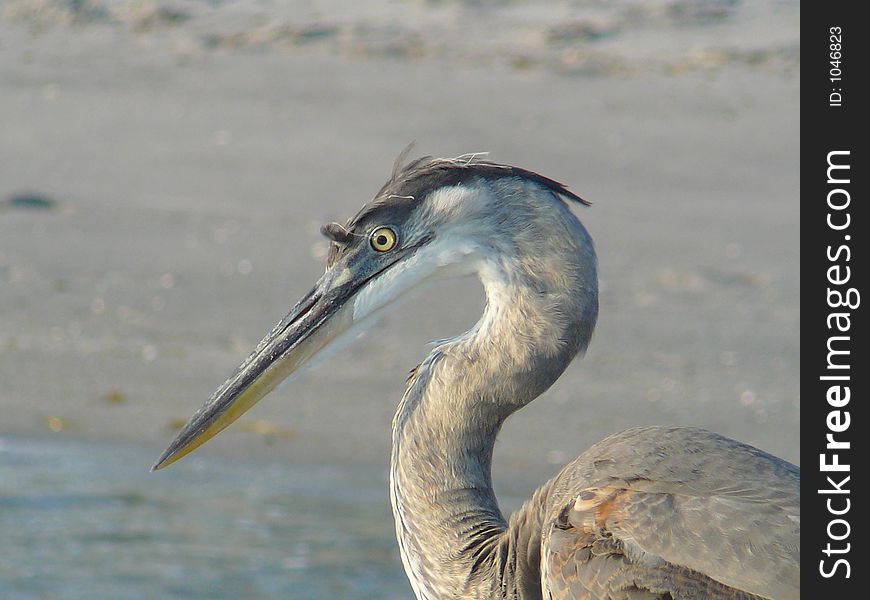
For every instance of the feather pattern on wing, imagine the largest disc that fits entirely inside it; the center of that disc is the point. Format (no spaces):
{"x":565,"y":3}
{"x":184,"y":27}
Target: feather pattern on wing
{"x":722,"y":521}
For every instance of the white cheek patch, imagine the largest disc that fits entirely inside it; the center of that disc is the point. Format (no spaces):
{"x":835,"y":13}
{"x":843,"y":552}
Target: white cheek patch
{"x":439,"y":259}
{"x":389,"y":286}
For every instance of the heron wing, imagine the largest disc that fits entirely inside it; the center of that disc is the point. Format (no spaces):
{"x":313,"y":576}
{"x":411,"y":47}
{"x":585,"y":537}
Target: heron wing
{"x":674,"y":512}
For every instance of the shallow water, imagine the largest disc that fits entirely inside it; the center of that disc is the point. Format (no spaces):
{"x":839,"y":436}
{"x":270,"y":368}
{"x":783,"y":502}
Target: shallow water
{"x":86,"y":520}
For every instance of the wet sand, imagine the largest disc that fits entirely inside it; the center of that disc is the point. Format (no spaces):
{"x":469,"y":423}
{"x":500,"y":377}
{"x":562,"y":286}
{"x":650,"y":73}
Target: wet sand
{"x":180,"y":178}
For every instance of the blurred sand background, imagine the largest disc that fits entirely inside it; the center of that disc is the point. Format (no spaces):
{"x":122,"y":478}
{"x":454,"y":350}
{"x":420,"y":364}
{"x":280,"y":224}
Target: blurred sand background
{"x":165,"y":166}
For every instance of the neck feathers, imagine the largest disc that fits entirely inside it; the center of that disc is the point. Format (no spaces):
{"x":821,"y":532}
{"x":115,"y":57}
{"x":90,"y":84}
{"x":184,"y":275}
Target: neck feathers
{"x":540,"y":312}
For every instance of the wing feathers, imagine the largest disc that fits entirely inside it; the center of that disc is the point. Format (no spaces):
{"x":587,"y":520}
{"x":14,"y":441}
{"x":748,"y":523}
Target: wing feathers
{"x":677,"y":513}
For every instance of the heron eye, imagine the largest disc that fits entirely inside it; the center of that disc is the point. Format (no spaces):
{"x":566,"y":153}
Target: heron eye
{"x":383,"y":239}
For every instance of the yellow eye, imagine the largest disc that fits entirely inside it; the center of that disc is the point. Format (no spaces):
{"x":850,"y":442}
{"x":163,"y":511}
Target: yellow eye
{"x":383,"y":239}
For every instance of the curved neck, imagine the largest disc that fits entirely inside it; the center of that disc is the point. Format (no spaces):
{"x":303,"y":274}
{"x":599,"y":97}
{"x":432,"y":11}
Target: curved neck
{"x":450,"y":528}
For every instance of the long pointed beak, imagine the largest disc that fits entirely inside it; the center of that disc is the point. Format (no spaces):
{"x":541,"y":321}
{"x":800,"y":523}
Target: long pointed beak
{"x":312,"y":324}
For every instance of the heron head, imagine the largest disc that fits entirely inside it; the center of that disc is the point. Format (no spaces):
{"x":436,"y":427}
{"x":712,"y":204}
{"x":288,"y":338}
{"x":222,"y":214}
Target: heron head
{"x":434,"y":217}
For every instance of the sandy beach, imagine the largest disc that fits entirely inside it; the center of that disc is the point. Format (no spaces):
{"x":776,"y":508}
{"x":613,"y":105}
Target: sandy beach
{"x":165,"y":167}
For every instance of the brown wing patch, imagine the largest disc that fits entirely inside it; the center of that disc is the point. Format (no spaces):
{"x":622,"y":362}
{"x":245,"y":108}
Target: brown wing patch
{"x":595,"y":506}
{"x":584,"y":557}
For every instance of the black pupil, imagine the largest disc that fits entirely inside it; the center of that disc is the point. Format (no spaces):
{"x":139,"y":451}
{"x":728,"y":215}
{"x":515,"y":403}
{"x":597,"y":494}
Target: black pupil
{"x":382,"y":240}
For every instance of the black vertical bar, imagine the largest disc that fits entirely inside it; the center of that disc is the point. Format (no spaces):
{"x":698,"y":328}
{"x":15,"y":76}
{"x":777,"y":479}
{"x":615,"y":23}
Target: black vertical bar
{"x":833,"y":253}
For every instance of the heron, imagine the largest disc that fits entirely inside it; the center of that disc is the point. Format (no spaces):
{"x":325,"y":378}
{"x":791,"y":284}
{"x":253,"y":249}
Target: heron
{"x":652,"y":512}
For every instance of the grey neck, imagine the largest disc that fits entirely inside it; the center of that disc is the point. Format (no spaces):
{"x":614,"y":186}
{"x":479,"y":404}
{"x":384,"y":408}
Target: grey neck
{"x":453,"y":538}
